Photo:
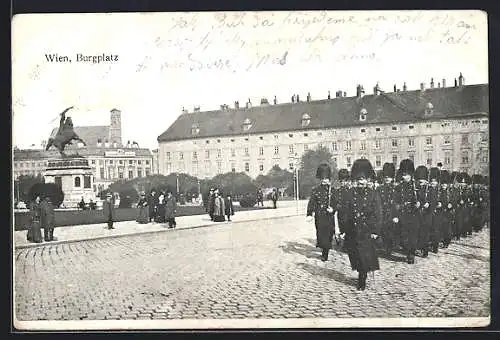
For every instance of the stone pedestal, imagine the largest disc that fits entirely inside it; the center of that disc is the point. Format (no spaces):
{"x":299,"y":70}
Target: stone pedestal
{"x":75,"y":177}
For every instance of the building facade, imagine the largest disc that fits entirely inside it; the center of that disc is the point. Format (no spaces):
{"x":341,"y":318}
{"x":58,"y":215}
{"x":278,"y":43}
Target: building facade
{"x":445,"y":124}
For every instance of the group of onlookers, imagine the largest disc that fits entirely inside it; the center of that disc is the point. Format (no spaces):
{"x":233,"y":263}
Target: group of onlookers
{"x":157,"y":207}
{"x":41,"y":217}
{"x":219,"y":207}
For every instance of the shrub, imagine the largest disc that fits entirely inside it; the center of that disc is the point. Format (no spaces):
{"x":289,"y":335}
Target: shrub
{"x":248,"y":201}
{"x":52,"y":190}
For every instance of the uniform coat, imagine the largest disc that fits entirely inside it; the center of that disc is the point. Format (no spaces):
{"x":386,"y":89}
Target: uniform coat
{"x":425,"y":217}
{"x":408,"y":215}
{"x":343,"y":194}
{"x":170,"y":208}
{"x":364,"y":210}
{"x":461,"y":217}
{"x":322,"y":196}
{"x":477,"y":209}
{"x":388,"y":229}
{"x":143,"y":216}
{"x":229,"y":208}
{"x":108,"y":208}
{"x":47,"y":218}
{"x":436,"y":214}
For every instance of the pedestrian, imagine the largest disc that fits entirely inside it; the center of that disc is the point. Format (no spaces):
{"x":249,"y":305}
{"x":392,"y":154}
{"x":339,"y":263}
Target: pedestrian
{"x":229,"y":208}
{"x":274,"y":197}
{"x":219,"y":207}
{"x":48,"y":219}
{"x":386,"y":193}
{"x":160,"y":210}
{"x":260,"y":197}
{"x":342,"y":194}
{"x":142,"y":205}
{"x":34,"y":232}
{"x":445,"y":197}
{"x":152,"y":202}
{"x":424,"y":212}
{"x":108,"y":209}
{"x":435,"y":210}
{"x":211,"y":203}
{"x":81,"y":205}
{"x":321,"y":203}
{"x":170,"y":209}
{"x":408,"y":209}
{"x":364,"y":210}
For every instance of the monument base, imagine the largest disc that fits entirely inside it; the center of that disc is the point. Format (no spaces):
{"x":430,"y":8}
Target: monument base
{"x":75,"y":177}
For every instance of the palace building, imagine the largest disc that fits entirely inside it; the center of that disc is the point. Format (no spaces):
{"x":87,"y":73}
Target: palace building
{"x":109,"y":159}
{"x":438,"y":124}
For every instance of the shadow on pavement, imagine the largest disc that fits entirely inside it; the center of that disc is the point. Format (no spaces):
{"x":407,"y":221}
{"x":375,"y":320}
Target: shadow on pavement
{"x":468,"y":256}
{"x":300,"y":248}
{"x":329,"y":273}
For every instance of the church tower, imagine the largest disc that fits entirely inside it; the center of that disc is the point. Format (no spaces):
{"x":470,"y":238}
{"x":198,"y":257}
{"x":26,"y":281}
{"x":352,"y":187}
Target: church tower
{"x":115,"y":128}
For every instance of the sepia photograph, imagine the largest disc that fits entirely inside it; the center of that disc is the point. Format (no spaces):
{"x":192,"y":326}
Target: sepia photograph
{"x":257,"y":169}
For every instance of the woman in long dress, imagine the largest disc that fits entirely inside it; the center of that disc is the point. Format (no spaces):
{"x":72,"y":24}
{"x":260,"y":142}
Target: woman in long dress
{"x":34,"y":231}
{"x":219,"y":207}
{"x":143,"y":216}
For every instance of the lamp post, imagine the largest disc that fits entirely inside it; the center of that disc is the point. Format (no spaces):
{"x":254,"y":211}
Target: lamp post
{"x":177,"y":183}
{"x":297,"y":162}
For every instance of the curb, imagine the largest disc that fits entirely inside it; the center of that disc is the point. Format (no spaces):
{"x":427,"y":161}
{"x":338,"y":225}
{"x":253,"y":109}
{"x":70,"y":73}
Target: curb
{"x":36,"y":245}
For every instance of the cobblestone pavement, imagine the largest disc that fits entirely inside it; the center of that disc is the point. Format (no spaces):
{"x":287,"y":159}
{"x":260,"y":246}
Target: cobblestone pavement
{"x":268,"y":269}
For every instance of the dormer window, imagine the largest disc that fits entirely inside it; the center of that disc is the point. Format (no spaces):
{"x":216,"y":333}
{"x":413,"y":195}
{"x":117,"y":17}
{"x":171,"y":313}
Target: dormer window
{"x":99,"y":142}
{"x":195,"y":129}
{"x":362,"y":114}
{"x":429,"y":109}
{"x":247,"y":124}
{"x":306,"y":120}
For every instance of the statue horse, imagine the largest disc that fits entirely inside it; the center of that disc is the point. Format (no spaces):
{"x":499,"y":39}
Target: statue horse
{"x":64,"y":136}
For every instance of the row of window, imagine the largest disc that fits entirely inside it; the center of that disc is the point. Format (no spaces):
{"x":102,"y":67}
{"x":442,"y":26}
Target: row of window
{"x":447,"y":160}
{"x":93,"y":161}
{"x":120,"y":161}
{"x":111,"y":173}
{"x":86,"y":181}
{"x":334,"y":146}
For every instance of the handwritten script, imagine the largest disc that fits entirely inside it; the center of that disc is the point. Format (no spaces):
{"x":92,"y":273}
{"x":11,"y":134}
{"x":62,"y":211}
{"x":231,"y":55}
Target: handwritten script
{"x":244,"y":41}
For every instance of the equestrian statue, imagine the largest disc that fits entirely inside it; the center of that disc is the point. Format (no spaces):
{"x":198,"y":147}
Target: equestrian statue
{"x":65,"y":134}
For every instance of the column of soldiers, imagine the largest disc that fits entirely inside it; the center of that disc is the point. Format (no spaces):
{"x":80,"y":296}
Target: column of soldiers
{"x":408,"y":210}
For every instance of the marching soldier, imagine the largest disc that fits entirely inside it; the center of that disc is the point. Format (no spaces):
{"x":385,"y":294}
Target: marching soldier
{"x":477,"y":203}
{"x":435,"y":209}
{"x":425,"y":216}
{"x":455,"y":232}
{"x":363,"y":209}
{"x":447,"y":216}
{"x":485,"y":194}
{"x":408,"y":209}
{"x":321,"y":202}
{"x":343,"y":196}
{"x":462,"y":220}
{"x":386,"y":193}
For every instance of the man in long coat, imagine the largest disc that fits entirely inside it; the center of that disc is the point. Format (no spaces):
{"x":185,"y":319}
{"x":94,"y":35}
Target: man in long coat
{"x":34,"y":232}
{"x":342,"y":194}
{"x":321,"y":203}
{"x":424,"y":212}
{"x":435,"y":209}
{"x":386,"y":193}
{"x":364,"y":210}
{"x":446,"y":199}
{"x":229,"y":207}
{"x":477,"y":203}
{"x":48,"y":219}
{"x":152,"y":204}
{"x":408,"y":209}
{"x":462,"y":211}
{"x":170,"y":210}
{"x":108,"y":208}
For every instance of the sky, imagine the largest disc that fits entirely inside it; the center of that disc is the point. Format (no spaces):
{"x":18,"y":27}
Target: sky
{"x":159,"y":63}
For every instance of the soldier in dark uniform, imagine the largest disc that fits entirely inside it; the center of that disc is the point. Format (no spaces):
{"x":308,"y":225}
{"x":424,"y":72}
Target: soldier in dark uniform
{"x":485,"y":195}
{"x":435,"y":210}
{"x":321,"y":202}
{"x":462,"y":220}
{"x":152,"y":205}
{"x":386,"y":192}
{"x":425,"y":213}
{"x":408,"y":209}
{"x":447,"y":215}
{"x":477,"y":203}
{"x":364,"y":210}
{"x":342,"y":194}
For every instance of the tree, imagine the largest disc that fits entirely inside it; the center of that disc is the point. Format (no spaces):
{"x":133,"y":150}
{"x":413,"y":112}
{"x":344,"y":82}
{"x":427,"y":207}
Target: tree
{"x":24,"y":184}
{"x":308,"y":166}
{"x":52,"y":190}
{"x":236,"y":183}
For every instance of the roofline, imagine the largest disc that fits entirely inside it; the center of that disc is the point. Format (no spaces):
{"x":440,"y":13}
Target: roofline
{"x":410,"y":120}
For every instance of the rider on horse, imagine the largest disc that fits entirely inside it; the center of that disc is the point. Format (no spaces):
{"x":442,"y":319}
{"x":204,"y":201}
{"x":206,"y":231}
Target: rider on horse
{"x":65,"y":134}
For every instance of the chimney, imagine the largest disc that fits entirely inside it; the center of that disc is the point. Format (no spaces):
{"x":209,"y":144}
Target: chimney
{"x":106,"y":143}
{"x":404,"y":87}
{"x":329,"y":97}
{"x":455,"y":82}
{"x":338,"y":94}
{"x":293,"y":99}
{"x":249,"y":104}
{"x":432,"y":83}
{"x":184,"y":110}
{"x":128,"y":144}
{"x":264,"y":101}
{"x":308,"y":96}
{"x":236,"y":104}
{"x":275,"y":100}
{"x":444,"y":82}
{"x":395,"y":89}
{"x":297,"y":97}
{"x":376,"y":89}
{"x":422,"y":86}
{"x":360,"y":91}
{"x":439,"y":85}
{"x":461,"y":80}
{"x":345,"y":94}
{"x":196,"y":109}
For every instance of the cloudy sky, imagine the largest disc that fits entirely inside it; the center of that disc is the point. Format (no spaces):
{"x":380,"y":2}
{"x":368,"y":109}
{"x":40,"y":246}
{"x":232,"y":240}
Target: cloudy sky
{"x":167,"y":61}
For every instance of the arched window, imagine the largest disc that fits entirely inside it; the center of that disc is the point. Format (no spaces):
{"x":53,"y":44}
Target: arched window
{"x":77,"y":182}
{"x":306,"y":120}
